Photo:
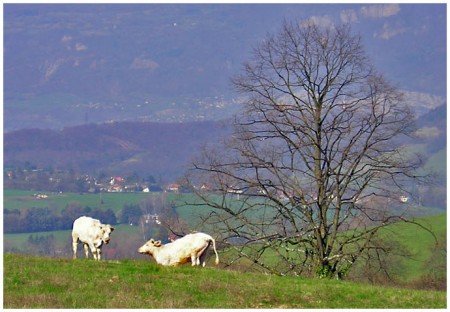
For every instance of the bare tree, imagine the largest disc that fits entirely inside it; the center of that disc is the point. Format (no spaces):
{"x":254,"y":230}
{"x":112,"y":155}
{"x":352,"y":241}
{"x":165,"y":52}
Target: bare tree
{"x":315,"y":163}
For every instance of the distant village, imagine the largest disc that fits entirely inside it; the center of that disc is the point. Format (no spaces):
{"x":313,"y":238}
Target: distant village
{"x":119,"y":184}
{"x":69,"y":181}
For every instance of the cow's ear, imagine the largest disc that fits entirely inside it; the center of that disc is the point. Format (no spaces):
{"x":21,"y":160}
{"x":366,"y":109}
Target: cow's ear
{"x":112,"y":229}
{"x":157,"y":243}
{"x":151,"y":241}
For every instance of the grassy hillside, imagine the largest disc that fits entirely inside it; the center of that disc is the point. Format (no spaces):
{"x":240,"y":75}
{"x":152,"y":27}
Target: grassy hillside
{"x":420,"y":244}
{"x":126,"y":239}
{"x":35,"y":282}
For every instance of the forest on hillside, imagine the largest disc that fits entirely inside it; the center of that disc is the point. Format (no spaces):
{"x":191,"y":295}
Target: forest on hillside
{"x":159,"y":149}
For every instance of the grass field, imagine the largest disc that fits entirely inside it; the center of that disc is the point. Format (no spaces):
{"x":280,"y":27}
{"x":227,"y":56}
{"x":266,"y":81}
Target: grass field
{"x":37,"y":282}
{"x":22,"y":200}
{"x":17,"y":199}
{"x":419,"y":243}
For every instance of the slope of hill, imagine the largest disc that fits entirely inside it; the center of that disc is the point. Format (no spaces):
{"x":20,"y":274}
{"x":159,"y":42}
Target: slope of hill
{"x":424,"y":256}
{"x":36,"y":282}
{"x":159,"y":149}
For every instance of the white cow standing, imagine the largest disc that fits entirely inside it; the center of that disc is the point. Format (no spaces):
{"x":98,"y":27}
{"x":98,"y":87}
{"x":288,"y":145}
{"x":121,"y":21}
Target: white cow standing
{"x":92,"y":233}
{"x":191,"y":247}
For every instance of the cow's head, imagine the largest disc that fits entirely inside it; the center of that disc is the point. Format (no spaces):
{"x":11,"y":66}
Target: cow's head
{"x":106,"y":229}
{"x":149,"y":247}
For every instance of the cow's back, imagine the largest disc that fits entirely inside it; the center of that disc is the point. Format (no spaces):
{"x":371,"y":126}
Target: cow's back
{"x":181,"y":250}
{"x":85,"y":228}
{"x":193,"y":241}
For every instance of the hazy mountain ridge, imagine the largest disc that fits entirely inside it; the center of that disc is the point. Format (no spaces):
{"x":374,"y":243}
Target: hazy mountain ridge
{"x":72,"y":64}
{"x":121,"y":61}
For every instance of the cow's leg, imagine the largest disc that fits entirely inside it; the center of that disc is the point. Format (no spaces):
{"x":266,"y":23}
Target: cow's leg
{"x":194,"y":259}
{"x":74,"y":246}
{"x":86,"y":250}
{"x":99,"y":253}
{"x":94,"y":253}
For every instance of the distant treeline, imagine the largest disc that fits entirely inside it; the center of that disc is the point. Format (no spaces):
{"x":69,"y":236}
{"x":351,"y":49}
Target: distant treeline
{"x":44,"y":219}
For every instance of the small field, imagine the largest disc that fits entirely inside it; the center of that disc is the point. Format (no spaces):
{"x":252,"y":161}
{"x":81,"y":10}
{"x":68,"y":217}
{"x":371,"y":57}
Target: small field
{"x":38,"y":282}
{"x":18,"y":199}
{"x":22,"y":200}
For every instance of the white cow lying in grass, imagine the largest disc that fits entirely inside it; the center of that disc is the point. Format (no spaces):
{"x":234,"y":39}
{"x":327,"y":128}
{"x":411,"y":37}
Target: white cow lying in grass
{"x":92,"y":233}
{"x":191,"y":247}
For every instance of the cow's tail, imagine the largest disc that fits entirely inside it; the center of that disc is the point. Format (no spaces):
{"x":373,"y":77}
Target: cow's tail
{"x":215,"y":251}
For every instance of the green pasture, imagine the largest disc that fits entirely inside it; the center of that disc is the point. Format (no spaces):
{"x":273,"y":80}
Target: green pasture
{"x":38,"y":282}
{"x":418,"y":242}
{"x":415,"y":248}
{"x":186,"y":204}
{"x":21,"y":200}
{"x":18,"y":199}
{"x":19,"y":241}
